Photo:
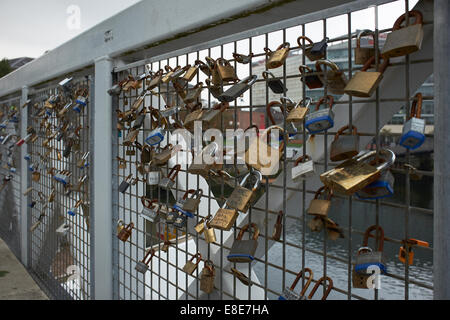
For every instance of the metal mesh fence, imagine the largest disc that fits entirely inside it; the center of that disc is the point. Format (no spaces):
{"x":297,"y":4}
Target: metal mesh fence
{"x":59,"y":241}
{"x":407,"y":214}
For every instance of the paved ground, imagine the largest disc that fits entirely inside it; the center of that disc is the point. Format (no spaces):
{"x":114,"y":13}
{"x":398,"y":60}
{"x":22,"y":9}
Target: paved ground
{"x":15,"y":282}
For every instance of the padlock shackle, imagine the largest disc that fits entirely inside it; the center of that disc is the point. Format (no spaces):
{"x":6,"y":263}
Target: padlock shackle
{"x":371,"y":61}
{"x":302,"y":159}
{"x":304,"y":69}
{"x":343,"y":129}
{"x":281,"y":46}
{"x":148,"y":203}
{"x":190,"y":191}
{"x":363,"y":249}
{"x":308,"y":282}
{"x":362,"y":33}
{"x":300,"y":43}
{"x":328,"y":63}
{"x":323,"y":100}
{"x":174,"y":171}
{"x":208,"y":264}
{"x":197,"y":256}
{"x":211,"y":62}
{"x":416,"y":107}
{"x":255,"y":127}
{"x":245,"y":228}
{"x":327,"y":292}
{"x":250,"y":80}
{"x":324,"y":189}
{"x":413,"y":13}
{"x":241,"y":57}
{"x":380,"y":239}
{"x":150,"y":253}
{"x":242,"y":277}
{"x":266,"y":75}
{"x":269,"y":111}
{"x":258,"y":180}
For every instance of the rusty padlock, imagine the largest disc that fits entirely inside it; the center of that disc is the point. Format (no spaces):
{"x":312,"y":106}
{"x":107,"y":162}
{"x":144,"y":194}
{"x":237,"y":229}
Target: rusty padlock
{"x":124,"y":231}
{"x":320,"y":207}
{"x":190,"y":266}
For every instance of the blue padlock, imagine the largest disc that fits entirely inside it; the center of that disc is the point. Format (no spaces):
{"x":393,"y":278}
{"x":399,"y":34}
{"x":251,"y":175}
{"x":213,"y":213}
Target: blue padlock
{"x":382,"y":188}
{"x":366,"y":257}
{"x":157,"y":135}
{"x":27,"y":157}
{"x":413,"y":135}
{"x":80,"y":103}
{"x":320,"y":120}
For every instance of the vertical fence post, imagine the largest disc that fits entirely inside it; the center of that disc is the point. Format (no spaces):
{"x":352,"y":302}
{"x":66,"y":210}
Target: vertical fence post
{"x":24,"y":179}
{"x":441,"y":239}
{"x":101,"y":150}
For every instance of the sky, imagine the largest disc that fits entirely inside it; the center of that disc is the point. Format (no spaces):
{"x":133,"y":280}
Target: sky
{"x":29,"y":28}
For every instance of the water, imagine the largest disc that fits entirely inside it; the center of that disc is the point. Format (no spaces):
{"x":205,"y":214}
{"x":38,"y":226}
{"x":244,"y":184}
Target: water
{"x":391,"y":219}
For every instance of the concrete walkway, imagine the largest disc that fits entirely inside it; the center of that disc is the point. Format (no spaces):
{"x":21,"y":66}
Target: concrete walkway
{"x":15,"y":282}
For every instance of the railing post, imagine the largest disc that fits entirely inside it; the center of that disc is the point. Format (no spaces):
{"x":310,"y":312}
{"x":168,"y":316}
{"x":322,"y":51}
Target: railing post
{"x":441,"y":240}
{"x":24,"y":179}
{"x":101,"y":150}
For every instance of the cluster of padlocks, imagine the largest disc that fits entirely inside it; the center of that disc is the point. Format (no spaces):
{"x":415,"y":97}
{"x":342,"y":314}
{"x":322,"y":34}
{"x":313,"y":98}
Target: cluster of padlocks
{"x":365,"y":174}
{"x":9,"y":127}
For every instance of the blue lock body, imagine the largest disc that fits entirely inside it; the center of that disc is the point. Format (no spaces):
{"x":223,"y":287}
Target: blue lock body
{"x":320,"y":120}
{"x":382,"y":188}
{"x":413,"y":134}
{"x":366,"y":257}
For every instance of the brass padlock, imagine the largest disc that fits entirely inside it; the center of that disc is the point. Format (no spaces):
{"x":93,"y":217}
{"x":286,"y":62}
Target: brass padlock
{"x":298,"y":114}
{"x":169,"y":73}
{"x":354,"y":174}
{"x":209,"y":233}
{"x":36,"y":176}
{"x":277,"y":58}
{"x":204,"y":67}
{"x":215,"y":90}
{"x":211,"y":117}
{"x":404,"y":40}
{"x":207,"y":277}
{"x":161,"y":158}
{"x":224,"y":218}
{"x":334,"y":79}
{"x":195,"y":114}
{"x":194,"y":93}
{"x":362,"y":55}
{"x":244,"y":59}
{"x":241,"y":198}
{"x":156,"y":80}
{"x":344,"y":147}
{"x":243,"y":251}
{"x":226,"y":70}
{"x":215,"y":76}
{"x":314,"y":51}
{"x":131,"y":138}
{"x":364,"y":83}
{"x":319,"y":207}
{"x":191,"y":72}
{"x":190,"y":266}
{"x":124,"y":231}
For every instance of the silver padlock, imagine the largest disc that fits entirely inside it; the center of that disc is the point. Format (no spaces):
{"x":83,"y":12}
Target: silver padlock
{"x":344,"y":147}
{"x":244,"y":250}
{"x":366,"y":257}
{"x":238,"y":89}
{"x":192,"y":202}
{"x":153,"y":176}
{"x":143,"y":266}
{"x":413,"y":134}
{"x":304,"y":168}
{"x":169,"y":181}
{"x":320,"y":120}
{"x":150,"y":210}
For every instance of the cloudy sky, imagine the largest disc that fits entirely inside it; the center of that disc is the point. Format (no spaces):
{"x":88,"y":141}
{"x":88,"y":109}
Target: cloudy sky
{"x":29,"y":28}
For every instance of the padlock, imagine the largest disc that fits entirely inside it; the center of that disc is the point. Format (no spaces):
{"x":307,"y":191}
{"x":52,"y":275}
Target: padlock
{"x":73,"y":211}
{"x":362,"y":55}
{"x":224,"y":218}
{"x":83,"y":162}
{"x":215,"y":76}
{"x":169,"y":181}
{"x":156,"y":80}
{"x":320,"y":207}
{"x":209,"y":233}
{"x":237,"y":89}
{"x":344,"y":147}
{"x":290,"y":127}
{"x":211,"y":117}
{"x":334,"y":79}
{"x":320,"y":120}
{"x":278,"y":227}
{"x":63,"y":229}
{"x":180,"y":221}
{"x":194,"y":93}
{"x":276,"y":59}
{"x":175,"y":78}
{"x":178,"y":206}
{"x":157,"y":135}
{"x":244,"y":59}
{"x":355,"y":174}
{"x":215,"y":90}
{"x":153,"y":176}
{"x":199,"y":165}
{"x":192,"y":202}
{"x":123,"y":187}
{"x":171,"y":216}
{"x":161,"y":158}
{"x":289,"y":293}
{"x":36,"y":176}
{"x":190,"y":266}
{"x":138,"y":102}
{"x":267,"y":162}
{"x":310,"y":78}
{"x":413,"y":134}
{"x":143,"y":266}
{"x":298,"y":113}
{"x":379,"y":189}
{"x":195,"y":114}
{"x":407,"y":245}
{"x":314,"y":51}
{"x":169,"y":73}
{"x":318,"y":283}
{"x":150,"y":211}
{"x":146,"y":153}
{"x":404,"y":40}
{"x":364,"y":83}
{"x":243,"y":251}
{"x":203,"y":67}
{"x":130,"y":151}
{"x":366,"y":257}
{"x":115,"y":90}
{"x":359,"y":281}
{"x":131,"y":137}
{"x":207,"y":277}
{"x":303,"y":169}
{"x":80,"y":103}
{"x":226,"y":70}
{"x":124,"y":231}
{"x":276,"y":85}
{"x":170,"y":111}
{"x":241,"y":277}
{"x":191,"y":73}
{"x":242,"y":198}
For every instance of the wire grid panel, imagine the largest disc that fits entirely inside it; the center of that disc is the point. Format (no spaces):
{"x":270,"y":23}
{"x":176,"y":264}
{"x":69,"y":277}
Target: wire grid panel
{"x":277,"y":263}
{"x":10,"y":166}
{"x":59,"y":225}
